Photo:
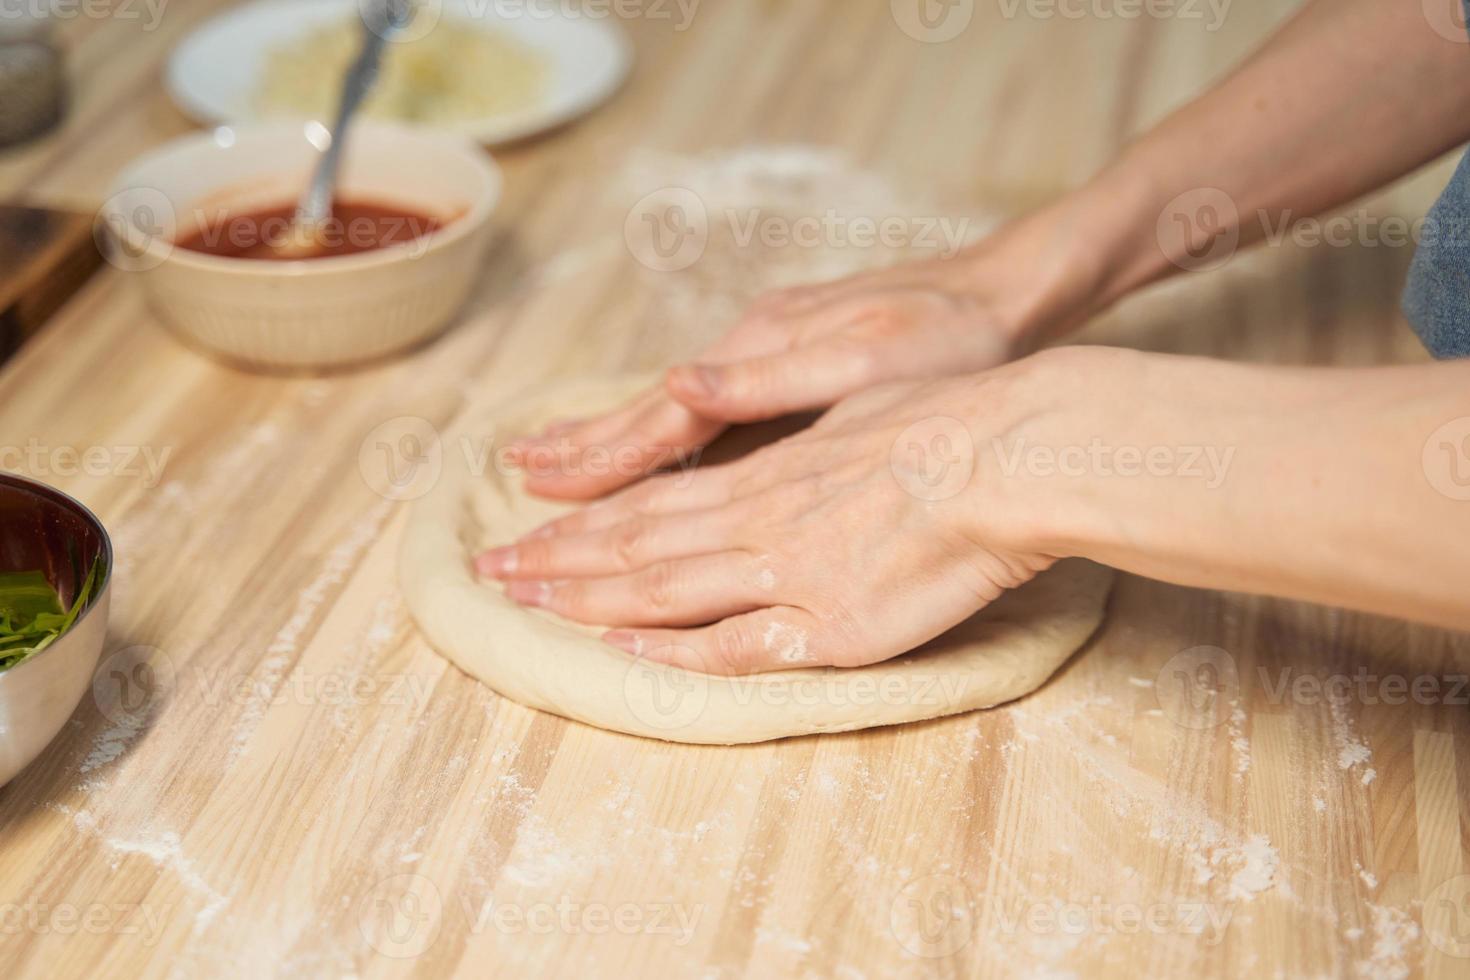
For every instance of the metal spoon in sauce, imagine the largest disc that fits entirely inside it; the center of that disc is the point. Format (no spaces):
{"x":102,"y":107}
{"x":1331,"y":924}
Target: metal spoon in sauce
{"x":314,"y":208}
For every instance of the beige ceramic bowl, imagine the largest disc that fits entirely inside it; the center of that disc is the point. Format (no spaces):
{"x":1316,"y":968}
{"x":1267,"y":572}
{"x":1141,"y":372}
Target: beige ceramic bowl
{"x":314,"y":313}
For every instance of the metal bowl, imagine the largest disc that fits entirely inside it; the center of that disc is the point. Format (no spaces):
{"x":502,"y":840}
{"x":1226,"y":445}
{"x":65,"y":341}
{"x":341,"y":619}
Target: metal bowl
{"x":42,"y":529}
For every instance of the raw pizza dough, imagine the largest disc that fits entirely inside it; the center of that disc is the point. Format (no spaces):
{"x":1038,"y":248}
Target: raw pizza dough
{"x":537,"y":659}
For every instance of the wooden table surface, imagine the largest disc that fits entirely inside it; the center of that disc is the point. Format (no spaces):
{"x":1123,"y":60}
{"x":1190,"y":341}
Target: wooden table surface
{"x":276,"y":776}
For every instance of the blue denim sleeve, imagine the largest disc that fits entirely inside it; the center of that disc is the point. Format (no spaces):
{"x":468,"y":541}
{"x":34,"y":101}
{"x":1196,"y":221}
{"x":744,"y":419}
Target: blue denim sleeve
{"x":1437,"y":299}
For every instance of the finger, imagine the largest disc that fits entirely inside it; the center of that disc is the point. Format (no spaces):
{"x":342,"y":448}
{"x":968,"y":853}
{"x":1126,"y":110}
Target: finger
{"x":592,"y":467}
{"x":772,"y":638}
{"x":673,"y":493}
{"x":581,"y":432}
{"x":672,"y":593}
{"x":628,"y":546}
{"x":766,"y":387}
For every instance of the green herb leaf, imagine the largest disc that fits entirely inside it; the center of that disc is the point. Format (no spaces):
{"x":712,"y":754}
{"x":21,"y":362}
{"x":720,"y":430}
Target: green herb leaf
{"x":26,"y":595}
{"x":31,"y":617}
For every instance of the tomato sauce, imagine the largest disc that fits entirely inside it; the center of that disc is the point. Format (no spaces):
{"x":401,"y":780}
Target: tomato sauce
{"x":354,"y":227}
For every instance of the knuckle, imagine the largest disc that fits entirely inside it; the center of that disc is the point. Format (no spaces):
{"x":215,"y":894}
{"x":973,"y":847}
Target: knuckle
{"x":568,"y":598}
{"x":629,"y":540}
{"x":735,"y":648}
{"x":657,"y":587}
{"x":534,"y":556}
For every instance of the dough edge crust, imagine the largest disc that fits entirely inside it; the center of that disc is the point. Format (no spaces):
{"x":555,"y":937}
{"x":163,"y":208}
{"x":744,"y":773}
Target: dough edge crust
{"x":1006,"y":651}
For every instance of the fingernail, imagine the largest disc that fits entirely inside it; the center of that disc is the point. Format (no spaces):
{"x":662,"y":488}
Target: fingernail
{"x":529,"y":593}
{"x":625,"y":640}
{"x":499,"y":561}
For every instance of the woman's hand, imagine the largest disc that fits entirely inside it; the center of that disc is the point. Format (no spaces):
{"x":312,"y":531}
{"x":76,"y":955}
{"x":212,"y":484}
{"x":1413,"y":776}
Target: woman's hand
{"x":878,"y":528}
{"x":808,"y":347}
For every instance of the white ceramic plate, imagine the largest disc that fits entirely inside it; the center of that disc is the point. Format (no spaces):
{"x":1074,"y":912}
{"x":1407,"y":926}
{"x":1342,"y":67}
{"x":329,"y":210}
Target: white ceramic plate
{"x":214,"y":73}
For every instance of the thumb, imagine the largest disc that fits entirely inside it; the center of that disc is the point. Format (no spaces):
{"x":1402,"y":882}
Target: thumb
{"x":766,"y":387}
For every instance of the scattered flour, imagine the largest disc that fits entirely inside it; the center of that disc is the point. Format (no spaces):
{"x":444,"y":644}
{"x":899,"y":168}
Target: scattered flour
{"x":788,"y":643}
{"x":1258,"y":871}
{"x":1351,"y":749}
{"x":1395,"y":945}
{"x":283,"y":647}
{"x":166,"y":851}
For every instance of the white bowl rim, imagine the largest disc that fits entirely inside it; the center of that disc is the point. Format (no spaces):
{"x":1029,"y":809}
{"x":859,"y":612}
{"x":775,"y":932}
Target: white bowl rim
{"x":165,"y":250}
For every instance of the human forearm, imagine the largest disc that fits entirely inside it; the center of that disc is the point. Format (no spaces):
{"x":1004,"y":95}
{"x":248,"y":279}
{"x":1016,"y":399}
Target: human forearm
{"x":1347,"y":96}
{"x":1349,"y":487}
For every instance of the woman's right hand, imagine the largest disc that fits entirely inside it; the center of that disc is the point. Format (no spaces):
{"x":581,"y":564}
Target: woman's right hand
{"x":807,"y":347}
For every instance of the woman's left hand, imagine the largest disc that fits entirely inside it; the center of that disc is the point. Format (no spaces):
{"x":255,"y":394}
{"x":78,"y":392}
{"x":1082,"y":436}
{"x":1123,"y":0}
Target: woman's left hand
{"x":877,"y":529}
